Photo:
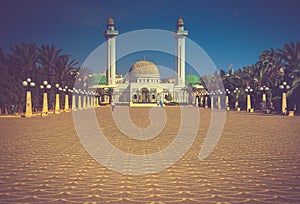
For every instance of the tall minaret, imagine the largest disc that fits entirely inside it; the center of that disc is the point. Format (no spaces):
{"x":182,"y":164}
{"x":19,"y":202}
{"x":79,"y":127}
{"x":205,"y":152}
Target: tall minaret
{"x":110,"y":35}
{"x":180,"y":35}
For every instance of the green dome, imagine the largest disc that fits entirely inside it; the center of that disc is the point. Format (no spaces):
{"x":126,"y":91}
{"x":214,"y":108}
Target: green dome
{"x":98,"y":79}
{"x":191,"y":79}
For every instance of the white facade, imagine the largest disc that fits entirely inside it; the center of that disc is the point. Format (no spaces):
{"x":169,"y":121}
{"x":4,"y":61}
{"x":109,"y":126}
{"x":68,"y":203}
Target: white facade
{"x":143,"y":84}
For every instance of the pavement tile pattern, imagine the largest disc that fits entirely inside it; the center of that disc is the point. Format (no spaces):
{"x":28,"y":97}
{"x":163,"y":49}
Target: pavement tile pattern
{"x":257,"y":160}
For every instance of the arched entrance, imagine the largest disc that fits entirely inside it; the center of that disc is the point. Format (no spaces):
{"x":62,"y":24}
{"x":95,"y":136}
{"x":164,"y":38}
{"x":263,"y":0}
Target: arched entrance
{"x":145,"y":95}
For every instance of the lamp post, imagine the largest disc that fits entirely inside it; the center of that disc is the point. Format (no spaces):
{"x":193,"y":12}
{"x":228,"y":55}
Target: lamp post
{"x":97,"y":100}
{"x":84,"y":99}
{"x":284,"y":87}
{"x":227,"y":99}
{"x":45,"y":86}
{"x":74,"y":92}
{"x":80,"y":92}
{"x":219,"y":92}
{"x":201,"y":100}
{"x":212,"y":99}
{"x":197,"y":101}
{"x":57,"y":108}
{"x":88,"y":95}
{"x":206,"y":99}
{"x":94,"y":99}
{"x":249,"y":91}
{"x":66,"y":91}
{"x":28,"y":83}
{"x":91,"y":99}
{"x":264,"y":90}
{"x":73,"y":106}
{"x":237,"y":105}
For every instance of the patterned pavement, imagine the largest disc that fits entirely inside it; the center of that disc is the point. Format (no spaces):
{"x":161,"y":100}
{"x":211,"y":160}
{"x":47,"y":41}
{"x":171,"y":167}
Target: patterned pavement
{"x":257,"y":160}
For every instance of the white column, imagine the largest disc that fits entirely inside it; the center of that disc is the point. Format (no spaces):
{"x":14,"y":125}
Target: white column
{"x":84,"y":102}
{"x":45,"y":105}
{"x":180,"y":53}
{"x":212,"y":102}
{"x":180,"y":64}
{"x":219,"y":102}
{"x":248,"y":102}
{"x":284,"y":104}
{"x":88,"y":102}
{"x":79,"y":102}
{"x":67,"y":109}
{"x":57,"y":107}
{"x":73,"y":102}
{"x":111,"y":60}
{"x":110,"y":35}
{"x":28,"y":112}
{"x":227,"y":103}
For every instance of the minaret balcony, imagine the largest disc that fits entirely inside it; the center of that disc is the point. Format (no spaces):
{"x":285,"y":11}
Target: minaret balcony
{"x":111,"y":33}
{"x":182,"y":32}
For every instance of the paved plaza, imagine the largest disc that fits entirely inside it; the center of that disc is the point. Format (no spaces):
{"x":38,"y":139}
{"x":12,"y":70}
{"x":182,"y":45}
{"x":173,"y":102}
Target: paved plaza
{"x":257,"y":160}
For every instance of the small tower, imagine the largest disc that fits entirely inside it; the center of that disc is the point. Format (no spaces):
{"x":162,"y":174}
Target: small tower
{"x":110,"y":35}
{"x":180,"y":35}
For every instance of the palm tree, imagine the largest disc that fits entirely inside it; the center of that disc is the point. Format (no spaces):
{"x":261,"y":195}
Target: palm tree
{"x":9,"y":93}
{"x":25,"y":56}
{"x":3,"y":84}
{"x":48,"y":59}
{"x":294,"y":92}
{"x":231,"y":80}
{"x":64,"y":70}
{"x":290,"y":55}
{"x":270,"y":68}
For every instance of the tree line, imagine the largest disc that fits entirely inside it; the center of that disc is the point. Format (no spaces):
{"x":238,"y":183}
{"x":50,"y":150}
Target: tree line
{"x":46,"y":62}
{"x":272,"y":69}
{"x":27,"y":60}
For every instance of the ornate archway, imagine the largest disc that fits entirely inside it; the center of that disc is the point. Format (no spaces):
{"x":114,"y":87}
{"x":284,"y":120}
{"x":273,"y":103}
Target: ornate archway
{"x":145,"y":95}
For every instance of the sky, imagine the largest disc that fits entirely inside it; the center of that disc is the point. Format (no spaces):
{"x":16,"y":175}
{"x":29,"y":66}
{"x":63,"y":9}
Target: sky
{"x":229,"y":31}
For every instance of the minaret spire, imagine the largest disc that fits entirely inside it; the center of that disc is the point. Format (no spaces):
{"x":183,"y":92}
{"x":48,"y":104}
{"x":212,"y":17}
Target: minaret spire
{"x":110,"y":35}
{"x":180,"y":35}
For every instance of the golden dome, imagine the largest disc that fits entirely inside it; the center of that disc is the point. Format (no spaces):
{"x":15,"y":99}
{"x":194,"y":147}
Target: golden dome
{"x":180,"y":22}
{"x":143,"y":67}
{"x":110,"y":22}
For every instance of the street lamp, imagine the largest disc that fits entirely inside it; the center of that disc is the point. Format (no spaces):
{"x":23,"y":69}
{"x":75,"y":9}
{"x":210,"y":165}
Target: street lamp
{"x":84,"y":99}
{"x":219,"y":92}
{"x":57,"y":108}
{"x":237,"y":92}
{"x":97,"y":100}
{"x":66,"y":91}
{"x":206,"y":94}
{"x":88,"y":94}
{"x":197,"y":100}
{"x":201,"y":99}
{"x":264,"y":89}
{"x":45,"y":86}
{"x":227,"y":99}
{"x":212,"y":93}
{"x":74,"y":91}
{"x":249,"y":91}
{"x":28,"y":83}
{"x":93,"y":99}
{"x":79,"y":92}
{"x":284,"y":87}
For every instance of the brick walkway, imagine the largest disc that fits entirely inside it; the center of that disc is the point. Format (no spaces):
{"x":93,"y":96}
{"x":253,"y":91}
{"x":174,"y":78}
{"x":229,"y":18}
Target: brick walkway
{"x":257,"y":160}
